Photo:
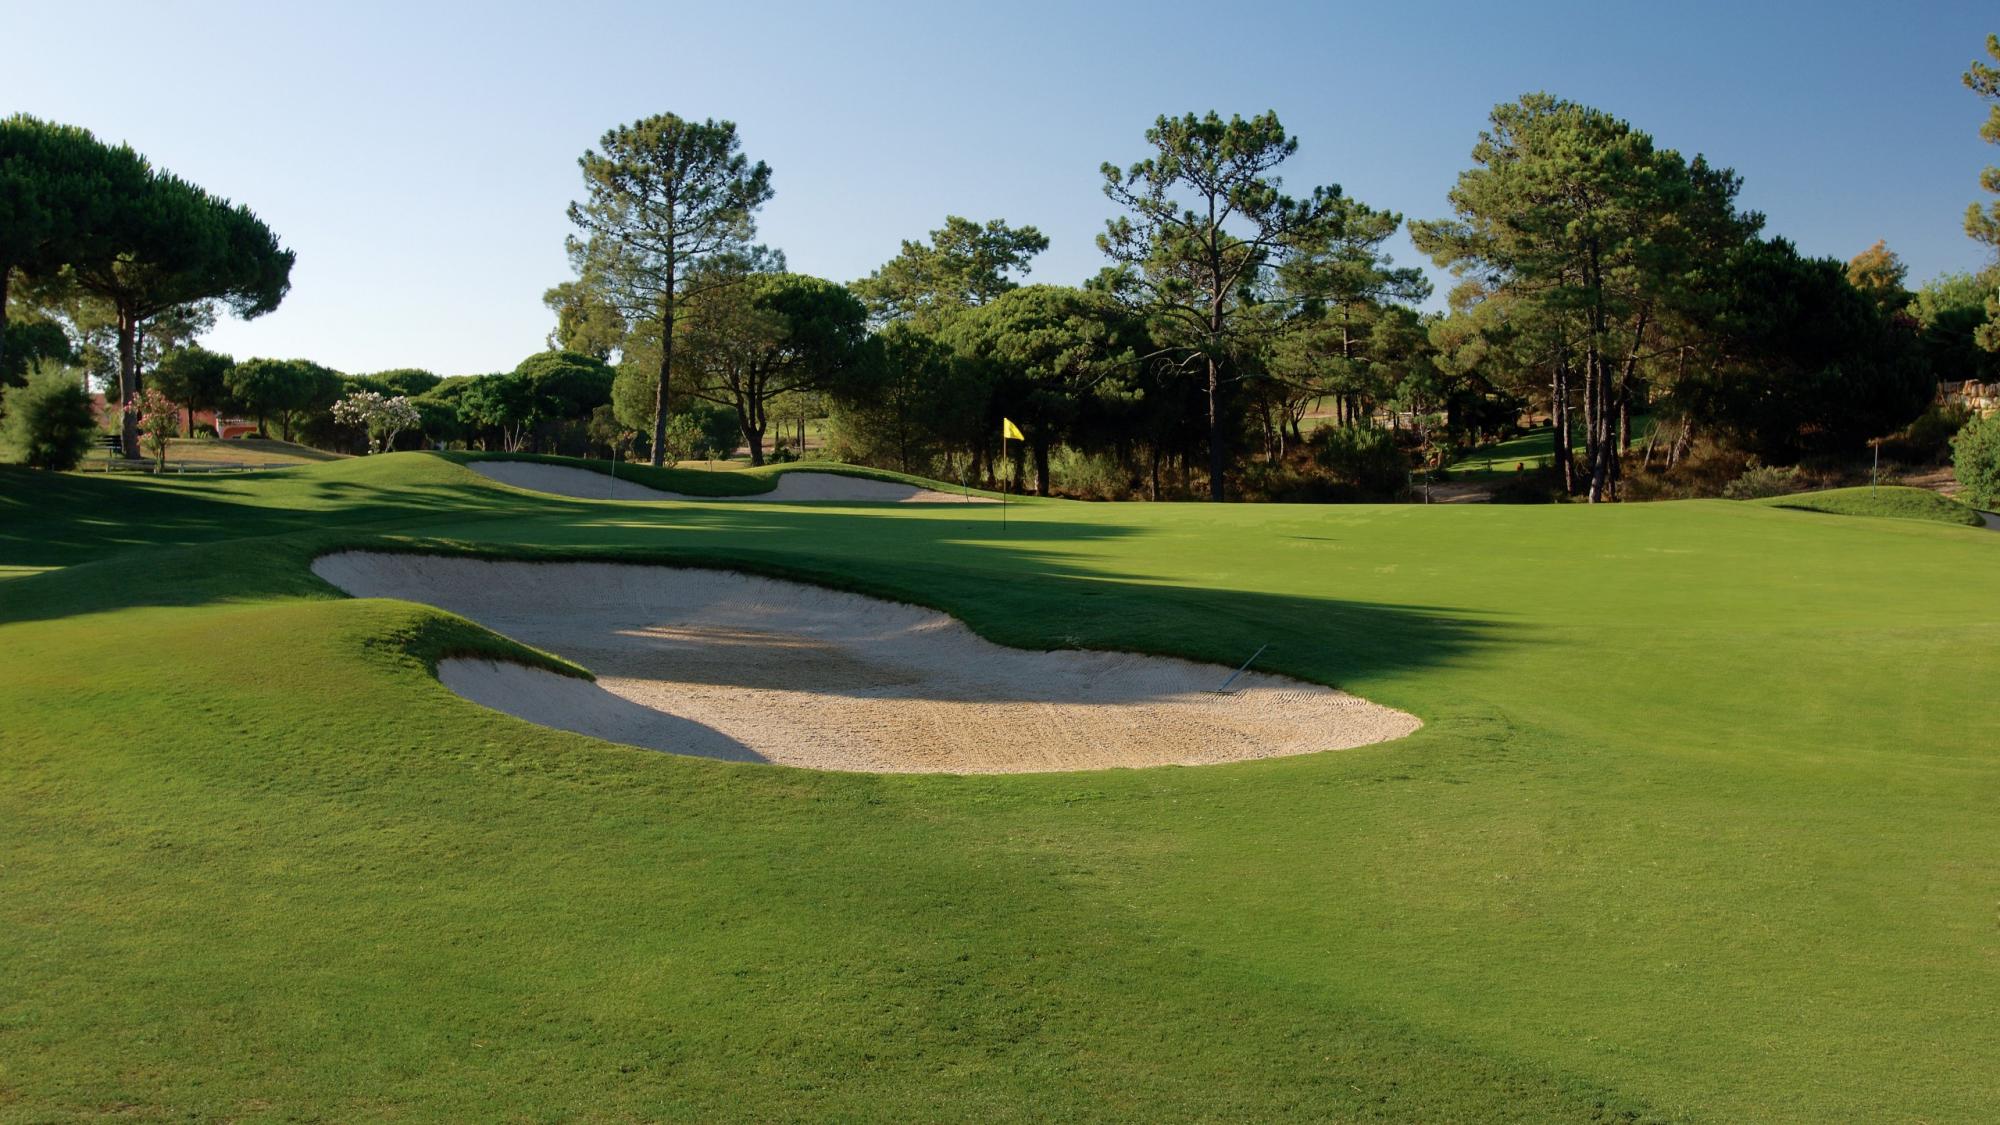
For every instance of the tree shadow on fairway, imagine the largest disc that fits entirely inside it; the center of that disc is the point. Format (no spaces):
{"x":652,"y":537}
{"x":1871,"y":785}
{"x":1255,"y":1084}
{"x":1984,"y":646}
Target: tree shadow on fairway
{"x":1029,"y":590}
{"x":702,"y":626}
{"x":1056,"y":577}
{"x":63,"y":519}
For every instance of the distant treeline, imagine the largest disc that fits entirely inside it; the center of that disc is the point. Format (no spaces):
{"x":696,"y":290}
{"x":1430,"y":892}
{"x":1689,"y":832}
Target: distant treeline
{"x":1239,"y":338}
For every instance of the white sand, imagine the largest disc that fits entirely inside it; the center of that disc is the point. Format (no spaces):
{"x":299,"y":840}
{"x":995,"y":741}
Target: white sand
{"x":727,"y":665}
{"x":583,"y":484}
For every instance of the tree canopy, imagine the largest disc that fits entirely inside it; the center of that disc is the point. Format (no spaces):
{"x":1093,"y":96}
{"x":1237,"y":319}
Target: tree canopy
{"x":1806,"y":362}
{"x":26,"y":344}
{"x":284,"y":388}
{"x":406,"y":381}
{"x":964,"y":265}
{"x":1205,"y":219}
{"x":1047,"y":350}
{"x":1879,"y":274}
{"x":194,"y":377}
{"x":662,"y":196}
{"x":144,"y":242}
{"x":1983,"y":223}
{"x":61,"y":191}
{"x":1598,"y":238}
{"x":759,"y":336}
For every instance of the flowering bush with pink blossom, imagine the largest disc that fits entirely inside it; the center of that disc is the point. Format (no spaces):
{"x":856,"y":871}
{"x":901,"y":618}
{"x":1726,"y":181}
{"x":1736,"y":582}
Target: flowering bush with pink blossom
{"x":159,"y":420}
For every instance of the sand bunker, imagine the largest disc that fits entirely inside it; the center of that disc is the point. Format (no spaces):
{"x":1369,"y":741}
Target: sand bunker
{"x":584,"y":484}
{"x":726,"y":665}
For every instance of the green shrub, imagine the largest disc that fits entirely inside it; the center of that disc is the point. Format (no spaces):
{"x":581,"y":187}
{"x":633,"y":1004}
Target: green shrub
{"x":1294,"y":482}
{"x":1363,"y":458}
{"x":1537,"y":487}
{"x":1088,"y":476}
{"x":682,"y":439}
{"x":49,"y":423}
{"x":1759,"y":481}
{"x":1975,"y":460}
{"x":1927,"y":441}
{"x":721,"y":429}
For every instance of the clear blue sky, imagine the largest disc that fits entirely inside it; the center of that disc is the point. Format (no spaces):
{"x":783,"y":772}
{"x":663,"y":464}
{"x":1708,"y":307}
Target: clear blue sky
{"x":419,"y":158}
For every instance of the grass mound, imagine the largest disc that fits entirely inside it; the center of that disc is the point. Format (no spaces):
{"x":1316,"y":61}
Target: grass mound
{"x":1889,"y":501}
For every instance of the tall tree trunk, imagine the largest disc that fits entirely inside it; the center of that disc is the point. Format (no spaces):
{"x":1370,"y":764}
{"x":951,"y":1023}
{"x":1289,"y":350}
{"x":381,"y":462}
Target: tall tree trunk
{"x":1592,"y":410}
{"x":1626,"y":378}
{"x":1608,"y":438}
{"x":1597,"y":443}
{"x":1683,"y":442}
{"x":1589,"y":421}
{"x":128,"y":381}
{"x":6,"y":275}
{"x":1156,"y":472}
{"x":666,"y":364}
{"x":1218,"y":453}
{"x":1565,"y":464}
{"x":1041,"y":463}
{"x":1603,"y":474}
{"x":660,"y":397}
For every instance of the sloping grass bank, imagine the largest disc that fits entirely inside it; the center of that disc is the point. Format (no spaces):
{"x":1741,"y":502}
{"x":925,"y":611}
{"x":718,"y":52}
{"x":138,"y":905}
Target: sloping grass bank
{"x":1885,"y":501}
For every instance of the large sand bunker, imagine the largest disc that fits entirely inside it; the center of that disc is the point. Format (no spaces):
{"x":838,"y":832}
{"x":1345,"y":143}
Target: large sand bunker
{"x":585,"y":484}
{"x":727,"y":665}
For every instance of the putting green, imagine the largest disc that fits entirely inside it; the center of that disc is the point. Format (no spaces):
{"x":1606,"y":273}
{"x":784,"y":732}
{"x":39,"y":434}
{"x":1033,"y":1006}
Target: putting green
{"x":1700,"y":825}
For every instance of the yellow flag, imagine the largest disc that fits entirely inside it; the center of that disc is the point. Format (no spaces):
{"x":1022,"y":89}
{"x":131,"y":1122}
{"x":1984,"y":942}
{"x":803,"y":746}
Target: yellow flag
{"x":1009,"y":430}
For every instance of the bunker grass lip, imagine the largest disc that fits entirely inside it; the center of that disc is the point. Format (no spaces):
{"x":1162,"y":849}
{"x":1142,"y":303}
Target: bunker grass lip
{"x":720,"y":664}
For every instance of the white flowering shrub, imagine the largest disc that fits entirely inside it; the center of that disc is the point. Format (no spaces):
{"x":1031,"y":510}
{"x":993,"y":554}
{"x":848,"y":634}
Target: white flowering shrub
{"x":383,"y":416}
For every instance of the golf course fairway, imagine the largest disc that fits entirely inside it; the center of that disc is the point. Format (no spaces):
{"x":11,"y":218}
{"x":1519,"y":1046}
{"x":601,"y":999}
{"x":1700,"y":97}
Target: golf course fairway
{"x":1702,"y":823}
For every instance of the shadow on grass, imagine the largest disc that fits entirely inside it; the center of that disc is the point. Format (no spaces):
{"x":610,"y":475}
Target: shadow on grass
{"x":61,"y":519}
{"x":1024,"y":590}
{"x":642,"y":621}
